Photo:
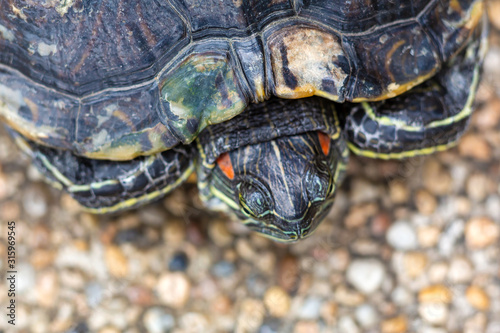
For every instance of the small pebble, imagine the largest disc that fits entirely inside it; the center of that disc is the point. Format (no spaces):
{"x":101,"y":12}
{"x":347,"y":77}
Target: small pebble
{"x":288,"y":273}
{"x":398,"y":192}
{"x":347,"y":324}
{"x":116,"y":261}
{"x":478,"y":298}
{"x":306,"y":327}
{"x":220,"y":234}
{"x":328,"y":312}
{"x":223,"y":269}
{"x":473,"y":145}
{"x":435,"y":294}
{"x":47,"y":289}
{"x":179,"y":262}
{"x":310,"y":309}
{"x":250,"y":316}
{"x":460,"y":270}
{"x":477,"y":186}
{"x":366,"y":275}
{"x":194,"y":322}
{"x":277,"y":301}
{"x":173,"y":289}
{"x":348,"y":297}
{"x":494,"y":13}
{"x":414,"y":263}
{"x":428,"y":236}
{"x":426,"y":203}
{"x":434,"y":313}
{"x":402,"y":236}
{"x":395,"y":325}
{"x":481,"y":232}
{"x":367,"y":316}
{"x":437,"y":179}
{"x":157,"y":320}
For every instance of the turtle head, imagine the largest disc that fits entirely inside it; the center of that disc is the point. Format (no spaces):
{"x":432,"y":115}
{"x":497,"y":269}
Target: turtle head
{"x":281,"y":188}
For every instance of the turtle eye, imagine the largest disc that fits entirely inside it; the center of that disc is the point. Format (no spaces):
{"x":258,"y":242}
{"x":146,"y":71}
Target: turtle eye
{"x":253,"y":200}
{"x":317,"y":182}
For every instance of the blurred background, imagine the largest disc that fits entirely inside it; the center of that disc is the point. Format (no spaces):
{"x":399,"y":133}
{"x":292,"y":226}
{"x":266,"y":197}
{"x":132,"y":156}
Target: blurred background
{"x":411,"y":246}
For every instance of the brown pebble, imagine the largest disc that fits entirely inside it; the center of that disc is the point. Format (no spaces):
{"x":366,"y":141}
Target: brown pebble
{"x":437,"y":179}
{"x":488,"y":116}
{"x":477,"y":186}
{"x":328,"y":312}
{"x":306,"y":327}
{"x":116,"y":261}
{"x":380,"y":223}
{"x":428,"y":235}
{"x":462,"y":205}
{"x":426,"y":203}
{"x":10,"y":211}
{"x":475,"y":146}
{"x":358,"y":215}
{"x":394,"y":325}
{"x":70,"y":204}
{"x":42,"y":258}
{"x":277,"y":301}
{"x":139,"y":295}
{"x":251,"y":315}
{"x":478,"y":298}
{"x":494,"y":13}
{"x":219,"y":233}
{"x":481,"y":232}
{"x":414,"y":263}
{"x":174,"y":232}
{"x":222,"y":304}
{"x":348,"y":297}
{"x":398,"y":191}
{"x":435,"y":294}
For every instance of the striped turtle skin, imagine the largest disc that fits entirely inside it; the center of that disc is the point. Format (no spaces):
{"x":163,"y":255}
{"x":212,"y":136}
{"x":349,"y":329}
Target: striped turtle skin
{"x":224,"y":88}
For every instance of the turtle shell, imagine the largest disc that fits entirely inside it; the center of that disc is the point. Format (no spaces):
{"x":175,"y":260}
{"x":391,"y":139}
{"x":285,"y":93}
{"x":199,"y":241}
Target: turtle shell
{"x":117,"y":79}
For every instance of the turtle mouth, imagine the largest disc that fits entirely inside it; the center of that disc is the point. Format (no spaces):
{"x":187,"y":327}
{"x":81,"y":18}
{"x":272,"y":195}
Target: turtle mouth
{"x":289,"y":231}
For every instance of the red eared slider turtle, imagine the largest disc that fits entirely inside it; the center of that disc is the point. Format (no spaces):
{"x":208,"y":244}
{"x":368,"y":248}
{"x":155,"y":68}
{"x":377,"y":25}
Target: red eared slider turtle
{"x":112,"y":99}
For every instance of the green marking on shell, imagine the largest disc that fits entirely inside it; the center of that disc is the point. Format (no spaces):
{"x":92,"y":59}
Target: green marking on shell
{"x":202,"y":91}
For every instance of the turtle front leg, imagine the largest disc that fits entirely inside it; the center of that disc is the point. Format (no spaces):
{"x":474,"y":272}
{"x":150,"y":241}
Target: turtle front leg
{"x":430,"y":117}
{"x":104,"y":186}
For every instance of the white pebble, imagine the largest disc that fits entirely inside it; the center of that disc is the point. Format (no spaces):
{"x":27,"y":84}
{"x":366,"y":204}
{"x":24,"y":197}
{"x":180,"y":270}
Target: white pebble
{"x":366,"y":315}
{"x":402,"y":236}
{"x":366,"y":275}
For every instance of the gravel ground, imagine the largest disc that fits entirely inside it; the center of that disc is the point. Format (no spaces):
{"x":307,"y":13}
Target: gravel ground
{"x":410,"y":246}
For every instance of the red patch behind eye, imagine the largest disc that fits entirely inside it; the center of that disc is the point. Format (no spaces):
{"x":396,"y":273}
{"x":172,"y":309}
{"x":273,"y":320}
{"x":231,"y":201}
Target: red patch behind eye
{"x":224,"y":163}
{"x":324,"y":141}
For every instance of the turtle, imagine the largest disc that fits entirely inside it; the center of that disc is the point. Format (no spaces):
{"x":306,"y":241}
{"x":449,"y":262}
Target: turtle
{"x":118,"y":102}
